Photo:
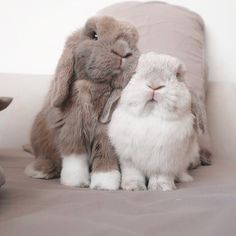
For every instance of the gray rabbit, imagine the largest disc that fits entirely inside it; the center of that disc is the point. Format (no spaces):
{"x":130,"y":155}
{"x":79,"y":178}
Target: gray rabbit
{"x":69,"y":136}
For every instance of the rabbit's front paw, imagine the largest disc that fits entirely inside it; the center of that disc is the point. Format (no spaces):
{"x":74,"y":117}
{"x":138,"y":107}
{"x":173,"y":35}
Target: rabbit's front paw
{"x":163,"y":183}
{"x":74,"y":179}
{"x":75,"y":172}
{"x":184,"y":178}
{"x":109,"y":180}
{"x":132,"y":178}
{"x":133,"y":185}
{"x":167,"y":186}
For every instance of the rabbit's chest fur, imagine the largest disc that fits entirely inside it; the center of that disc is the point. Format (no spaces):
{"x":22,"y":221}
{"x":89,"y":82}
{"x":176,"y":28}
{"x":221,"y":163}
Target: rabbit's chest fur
{"x":152,"y":144}
{"x":91,"y":96}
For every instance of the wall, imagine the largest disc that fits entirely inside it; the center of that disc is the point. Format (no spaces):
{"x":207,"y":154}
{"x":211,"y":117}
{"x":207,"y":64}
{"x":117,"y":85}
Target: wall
{"x":33,"y":32}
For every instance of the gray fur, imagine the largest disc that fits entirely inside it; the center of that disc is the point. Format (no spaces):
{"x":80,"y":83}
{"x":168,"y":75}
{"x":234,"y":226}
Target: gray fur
{"x":88,"y":78}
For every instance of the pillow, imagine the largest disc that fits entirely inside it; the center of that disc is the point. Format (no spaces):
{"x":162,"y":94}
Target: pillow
{"x":4,"y":102}
{"x":173,"y":30}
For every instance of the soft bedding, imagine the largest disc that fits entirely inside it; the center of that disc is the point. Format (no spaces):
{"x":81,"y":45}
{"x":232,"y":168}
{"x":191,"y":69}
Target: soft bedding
{"x":37,"y":207}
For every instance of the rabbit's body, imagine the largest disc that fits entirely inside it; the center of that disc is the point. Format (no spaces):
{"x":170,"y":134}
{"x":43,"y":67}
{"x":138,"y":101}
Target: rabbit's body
{"x":153,"y":144}
{"x":69,"y":136}
{"x":153,"y":130}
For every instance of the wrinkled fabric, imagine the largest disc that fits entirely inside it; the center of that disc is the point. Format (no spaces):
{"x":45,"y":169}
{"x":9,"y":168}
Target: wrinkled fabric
{"x":204,"y":207}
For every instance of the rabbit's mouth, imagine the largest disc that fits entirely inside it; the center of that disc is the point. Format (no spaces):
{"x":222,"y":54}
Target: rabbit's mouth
{"x":116,"y":71}
{"x":152,"y":100}
{"x":151,"y":103}
{"x":121,"y":63}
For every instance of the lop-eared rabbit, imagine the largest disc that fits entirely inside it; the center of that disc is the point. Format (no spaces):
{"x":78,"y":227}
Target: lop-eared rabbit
{"x":69,"y":136}
{"x":155,"y":126}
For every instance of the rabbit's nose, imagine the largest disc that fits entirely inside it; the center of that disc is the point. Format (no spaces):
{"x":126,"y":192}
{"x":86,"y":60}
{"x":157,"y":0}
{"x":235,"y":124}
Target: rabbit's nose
{"x":122,"y":55}
{"x":121,"y":49}
{"x":156,"y":87}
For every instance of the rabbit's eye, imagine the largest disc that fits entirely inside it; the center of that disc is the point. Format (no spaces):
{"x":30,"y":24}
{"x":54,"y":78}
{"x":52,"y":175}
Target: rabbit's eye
{"x":94,"y":35}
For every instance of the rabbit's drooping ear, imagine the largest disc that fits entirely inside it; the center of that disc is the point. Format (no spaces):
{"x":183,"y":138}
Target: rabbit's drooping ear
{"x":55,"y":118}
{"x":199,"y":112}
{"x":181,"y":70}
{"x":110,"y":106}
{"x":197,"y":105}
{"x":4,"y":102}
{"x":64,"y":71}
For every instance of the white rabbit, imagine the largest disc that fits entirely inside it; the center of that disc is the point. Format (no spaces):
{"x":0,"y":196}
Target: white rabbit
{"x":152,"y":128}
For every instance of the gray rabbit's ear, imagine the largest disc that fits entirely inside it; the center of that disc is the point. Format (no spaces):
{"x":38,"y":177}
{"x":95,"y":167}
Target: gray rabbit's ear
{"x":55,"y":118}
{"x":4,"y":102}
{"x":199,"y":112}
{"x":64,"y":72}
{"x":110,"y":106}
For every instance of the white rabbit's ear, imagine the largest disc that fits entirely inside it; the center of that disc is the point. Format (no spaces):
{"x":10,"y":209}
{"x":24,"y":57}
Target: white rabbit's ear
{"x":199,"y":112}
{"x":110,"y":106}
{"x":181,"y":70}
{"x":64,"y":72}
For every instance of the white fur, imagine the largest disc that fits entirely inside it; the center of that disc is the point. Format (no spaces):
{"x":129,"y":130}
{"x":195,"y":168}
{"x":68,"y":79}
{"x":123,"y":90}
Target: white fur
{"x":132,"y":178}
{"x":162,"y":182}
{"x":31,"y":172}
{"x":109,"y":180}
{"x":185,"y":178}
{"x":157,"y":137}
{"x":75,"y":170}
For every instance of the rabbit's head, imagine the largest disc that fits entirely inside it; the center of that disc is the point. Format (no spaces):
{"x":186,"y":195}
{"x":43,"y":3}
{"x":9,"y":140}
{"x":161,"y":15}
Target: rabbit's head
{"x":103,"y":51}
{"x":106,"y":50}
{"x":157,"y":87}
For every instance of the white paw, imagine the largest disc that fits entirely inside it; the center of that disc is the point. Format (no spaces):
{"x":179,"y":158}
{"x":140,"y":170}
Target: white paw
{"x":162,"y":182}
{"x":184,"y":178}
{"x":75,"y":171}
{"x":74,"y":179}
{"x":166,"y":186}
{"x":132,"y":178}
{"x":133,"y":185}
{"x":105,"y":180}
{"x":153,"y":183}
